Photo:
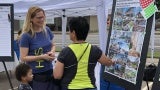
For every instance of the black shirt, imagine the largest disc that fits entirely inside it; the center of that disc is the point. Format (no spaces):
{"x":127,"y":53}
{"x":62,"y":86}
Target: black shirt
{"x":68,"y":58}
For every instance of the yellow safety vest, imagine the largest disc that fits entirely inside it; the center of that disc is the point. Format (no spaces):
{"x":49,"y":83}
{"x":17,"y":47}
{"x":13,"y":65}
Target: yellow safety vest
{"x":81,"y":79}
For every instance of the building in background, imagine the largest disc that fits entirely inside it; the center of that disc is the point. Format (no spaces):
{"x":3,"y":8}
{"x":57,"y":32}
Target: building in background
{"x":57,"y":24}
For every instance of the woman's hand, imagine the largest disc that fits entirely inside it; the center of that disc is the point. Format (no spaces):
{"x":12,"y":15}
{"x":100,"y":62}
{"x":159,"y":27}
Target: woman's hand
{"x":52,"y":54}
{"x":48,"y":57}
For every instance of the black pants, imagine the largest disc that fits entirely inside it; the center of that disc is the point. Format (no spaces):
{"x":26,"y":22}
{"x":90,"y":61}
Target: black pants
{"x":45,"y":81}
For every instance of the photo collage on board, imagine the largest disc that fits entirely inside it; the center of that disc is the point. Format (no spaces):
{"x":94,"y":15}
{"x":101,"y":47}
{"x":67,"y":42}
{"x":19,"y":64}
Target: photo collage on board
{"x":126,"y":41}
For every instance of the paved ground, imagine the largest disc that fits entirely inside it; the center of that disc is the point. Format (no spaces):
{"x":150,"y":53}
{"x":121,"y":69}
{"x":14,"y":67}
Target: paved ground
{"x":4,"y":84}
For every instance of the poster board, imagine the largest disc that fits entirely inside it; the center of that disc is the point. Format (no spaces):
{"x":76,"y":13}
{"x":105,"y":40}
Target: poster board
{"x":6,"y":32}
{"x":127,"y":45}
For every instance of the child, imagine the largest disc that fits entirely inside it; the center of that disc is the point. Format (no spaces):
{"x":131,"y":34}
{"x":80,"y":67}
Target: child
{"x":24,"y":74}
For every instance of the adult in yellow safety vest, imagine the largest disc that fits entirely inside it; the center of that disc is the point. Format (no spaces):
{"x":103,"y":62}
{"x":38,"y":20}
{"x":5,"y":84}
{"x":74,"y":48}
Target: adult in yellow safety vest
{"x":75,"y":63}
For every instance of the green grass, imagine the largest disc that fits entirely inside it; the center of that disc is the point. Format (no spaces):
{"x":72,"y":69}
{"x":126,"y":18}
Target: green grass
{"x":156,"y":55}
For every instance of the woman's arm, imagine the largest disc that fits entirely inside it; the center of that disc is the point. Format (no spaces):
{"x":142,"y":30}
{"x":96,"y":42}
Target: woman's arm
{"x":52,"y":52}
{"x":58,"y":70}
{"x":105,"y":60}
{"x":24,"y":55}
{"x":53,"y":49}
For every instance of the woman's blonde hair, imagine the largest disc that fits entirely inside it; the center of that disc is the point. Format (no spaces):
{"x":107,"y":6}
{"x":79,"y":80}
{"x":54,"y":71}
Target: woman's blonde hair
{"x":27,"y":26}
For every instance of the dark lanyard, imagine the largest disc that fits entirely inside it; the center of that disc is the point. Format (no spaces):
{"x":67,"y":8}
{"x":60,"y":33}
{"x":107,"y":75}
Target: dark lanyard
{"x":78,"y":59}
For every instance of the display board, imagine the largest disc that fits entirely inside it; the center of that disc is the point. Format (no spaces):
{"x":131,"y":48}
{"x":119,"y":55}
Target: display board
{"x":6,"y":32}
{"x":156,"y":82}
{"x":127,"y":44}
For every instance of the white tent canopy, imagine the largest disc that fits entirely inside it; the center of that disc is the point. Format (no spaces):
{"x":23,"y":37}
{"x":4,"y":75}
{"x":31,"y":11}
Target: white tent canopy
{"x":59,"y":13}
{"x":53,"y":4}
{"x":54,"y":8}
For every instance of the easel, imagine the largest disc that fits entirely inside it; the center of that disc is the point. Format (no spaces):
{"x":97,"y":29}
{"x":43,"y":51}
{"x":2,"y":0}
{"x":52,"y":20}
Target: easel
{"x":9,"y":79}
{"x":156,"y":82}
{"x":8,"y":10}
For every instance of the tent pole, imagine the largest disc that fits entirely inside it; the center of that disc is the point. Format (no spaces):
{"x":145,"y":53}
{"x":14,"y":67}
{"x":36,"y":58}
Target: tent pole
{"x":102,"y":26}
{"x":64,"y":24}
{"x":152,"y":39}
